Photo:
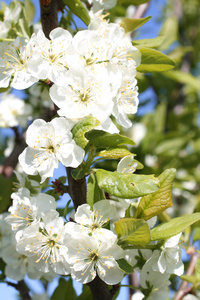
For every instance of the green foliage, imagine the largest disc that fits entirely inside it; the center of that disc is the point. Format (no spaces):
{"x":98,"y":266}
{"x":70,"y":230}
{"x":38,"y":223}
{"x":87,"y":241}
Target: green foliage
{"x":114,"y":153}
{"x":133,"y":232}
{"x":155,"y":203}
{"x":125,"y":266}
{"x":102,"y":140}
{"x":64,"y":290}
{"x":126,"y":185}
{"x":79,"y":130}
{"x":185,"y":78}
{"x":94,"y":193}
{"x":133,"y":2}
{"x":173,"y":227}
{"x":77,"y":8}
{"x":130,"y":25}
{"x":30,"y":10}
{"x":6,"y":189}
{"x":154,"y":61}
{"x":148,"y":43}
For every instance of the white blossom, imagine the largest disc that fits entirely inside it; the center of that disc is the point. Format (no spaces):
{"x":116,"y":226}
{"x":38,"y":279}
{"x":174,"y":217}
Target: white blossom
{"x":83,"y":95}
{"x":102,"y":4}
{"x":18,"y":265}
{"x":91,"y":221}
{"x":168,"y":260}
{"x":14,"y":59}
{"x":45,"y":243}
{"x":49,"y":143}
{"x":14,"y":111}
{"x":89,"y":257}
{"x":49,"y":58}
{"x":27,"y":210}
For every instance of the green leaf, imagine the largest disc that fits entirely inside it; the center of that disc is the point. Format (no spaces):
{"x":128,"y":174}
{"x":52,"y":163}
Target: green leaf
{"x":124,"y":185}
{"x":189,"y":278}
{"x":130,"y":25}
{"x":154,"y":61}
{"x":79,"y":130}
{"x":78,"y":173}
{"x":170,"y":32}
{"x":114,"y":153}
{"x":125,"y":266}
{"x":101,"y":139}
{"x":67,"y":209}
{"x":173,"y":227}
{"x":132,"y":231}
{"x":133,"y":2}
{"x":185,"y":78}
{"x":155,"y":203}
{"x":86,"y":294}
{"x":94,"y":193}
{"x":6,"y":189}
{"x":64,"y":290}
{"x":77,"y":8}
{"x":196,"y":236}
{"x":149,"y":43}
{"x":30,"y":10}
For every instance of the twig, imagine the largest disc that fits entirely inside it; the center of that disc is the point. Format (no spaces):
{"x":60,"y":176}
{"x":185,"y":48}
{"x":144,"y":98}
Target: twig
{"x":22,"y":288}
{"x":184,"y":289}
{"x":49,"y":18}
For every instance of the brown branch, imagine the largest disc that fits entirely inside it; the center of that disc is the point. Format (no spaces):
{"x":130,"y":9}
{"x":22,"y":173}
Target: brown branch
{"x":22,"y":288}
{"x":141,"y":10}
{"x":133,"y":280}
{"x":99,"y":290}
{"x":184,"y":289}
{"x":49,"y":18}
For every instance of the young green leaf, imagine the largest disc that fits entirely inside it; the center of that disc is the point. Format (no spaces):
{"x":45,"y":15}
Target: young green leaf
{"x":173,"y":227}
{"x":185,"y":78}
{"x":155,"y":203}
{"x":125,"y":266}
{"x":77,"y":8}
{"x":94,"y":193}
{"x":154,"y":61}
{"x":6,"y":189}
{"x":149,"y":43}
{"x":114,"y":153}
{"x":79,"y":130}
{"x":133,"y":2}
{"x":124,"y":185}
{"x":101,"y":139}
{"x":130,"y":25}
{"x":132,"y":231}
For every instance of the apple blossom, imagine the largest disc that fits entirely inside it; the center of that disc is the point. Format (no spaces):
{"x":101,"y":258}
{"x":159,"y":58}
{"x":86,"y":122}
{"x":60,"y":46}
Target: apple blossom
{"x":168,"y":260}
{"x":26,"y":210}
{"x":49,"y":143}
{"x":45,"y":243}
{"x":88,"y":257}
{"x":14,"y":111}
{"x":14,"y":59}
{"x":91,"y":221}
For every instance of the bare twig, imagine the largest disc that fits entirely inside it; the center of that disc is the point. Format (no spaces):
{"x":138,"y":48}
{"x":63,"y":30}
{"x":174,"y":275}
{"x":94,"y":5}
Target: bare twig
{"x":141,"y":10}
{"x":22,"y":288}
{"x":184,"y":288}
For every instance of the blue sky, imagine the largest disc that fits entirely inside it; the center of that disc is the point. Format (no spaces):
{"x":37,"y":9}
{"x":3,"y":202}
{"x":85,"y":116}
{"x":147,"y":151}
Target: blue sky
{"x":149,"y":30}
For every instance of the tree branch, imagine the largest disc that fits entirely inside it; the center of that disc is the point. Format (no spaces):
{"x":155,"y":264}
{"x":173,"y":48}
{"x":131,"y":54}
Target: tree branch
{"x":22,"y":288}
{"x":184,"y":289}
{"x":49,"y":18}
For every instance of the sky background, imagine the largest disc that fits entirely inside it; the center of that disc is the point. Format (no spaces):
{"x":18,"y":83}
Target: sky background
{"x":149,"y":30}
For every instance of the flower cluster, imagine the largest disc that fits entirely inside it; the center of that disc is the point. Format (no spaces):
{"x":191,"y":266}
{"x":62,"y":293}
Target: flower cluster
{"x":93,"y":72}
